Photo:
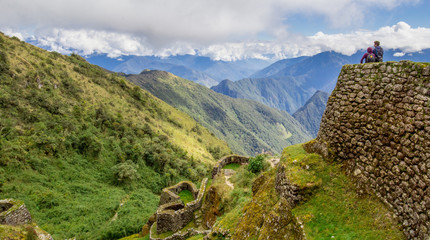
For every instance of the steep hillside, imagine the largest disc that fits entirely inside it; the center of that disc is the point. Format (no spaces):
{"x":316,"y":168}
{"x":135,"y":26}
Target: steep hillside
{"x":247,"y":126}
{"x":303,"y":197}
{"x":288,"y":84}
{"x":311,"y":113}
{"x":283,"y":94}
{"x":86,"y":150}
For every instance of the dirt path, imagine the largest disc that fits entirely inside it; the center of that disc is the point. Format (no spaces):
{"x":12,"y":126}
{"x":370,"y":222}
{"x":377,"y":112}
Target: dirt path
{"x":228,"y":173}
{"x":123,"y":201}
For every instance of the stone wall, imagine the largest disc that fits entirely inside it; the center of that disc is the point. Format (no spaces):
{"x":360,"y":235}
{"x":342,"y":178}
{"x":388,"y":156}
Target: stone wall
{"x":181,"y":235}
{"x":227,"y":160}
{"x":377,"y":122}
{"x":170,"y":194}
{"x":172,"y":216}
{"x":13,"y":212}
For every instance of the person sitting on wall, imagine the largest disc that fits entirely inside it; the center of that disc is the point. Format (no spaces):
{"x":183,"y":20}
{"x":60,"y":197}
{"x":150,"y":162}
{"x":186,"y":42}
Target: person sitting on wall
{"x":369,"y":56}
{"x":378,"y":51}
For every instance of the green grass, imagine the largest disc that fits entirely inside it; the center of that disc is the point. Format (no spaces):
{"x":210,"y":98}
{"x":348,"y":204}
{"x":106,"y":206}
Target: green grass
{"x":232,"y":166}
{"x":160,"y":235}
{"x":136,"y":237}
{"x":86,"y":140}
{"x":335,"y":210}
{"x":196,"y":237}
{"x":186,"y":196}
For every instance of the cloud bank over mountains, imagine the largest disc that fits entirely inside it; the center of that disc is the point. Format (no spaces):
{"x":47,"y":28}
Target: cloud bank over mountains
{"x":223,"y":30}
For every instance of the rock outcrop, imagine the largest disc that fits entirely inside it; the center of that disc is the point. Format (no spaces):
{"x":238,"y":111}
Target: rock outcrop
{"x":377,"y":122}
{"x":13,"y":212}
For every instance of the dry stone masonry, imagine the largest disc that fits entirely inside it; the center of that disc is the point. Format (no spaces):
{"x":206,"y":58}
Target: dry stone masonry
{"x":228,"y":160}
{"x":173,"y":215}
{"x":377,"y":122}
{"x":170,"y":194}
{"x":13,"y":212}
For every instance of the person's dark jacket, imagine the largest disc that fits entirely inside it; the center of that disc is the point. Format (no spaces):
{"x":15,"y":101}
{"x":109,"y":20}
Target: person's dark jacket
{"x":380,"y":51}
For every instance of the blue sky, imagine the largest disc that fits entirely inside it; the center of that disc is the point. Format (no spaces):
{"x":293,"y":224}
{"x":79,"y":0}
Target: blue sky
{"x":221,"y":29}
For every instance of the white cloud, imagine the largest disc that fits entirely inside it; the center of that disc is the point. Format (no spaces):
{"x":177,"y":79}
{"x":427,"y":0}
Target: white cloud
{"x":12,"y":33}
{"x":163,"y":22}
{"x":399,"y":54}
{"x":222,"y":29}
{"x":91,"y":41}
{"x":399,"y":36}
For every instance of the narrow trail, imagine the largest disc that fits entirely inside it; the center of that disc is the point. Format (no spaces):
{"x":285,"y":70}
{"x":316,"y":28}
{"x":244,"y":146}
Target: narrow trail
{"x":228,"y":173}
{"x":123,"y":201}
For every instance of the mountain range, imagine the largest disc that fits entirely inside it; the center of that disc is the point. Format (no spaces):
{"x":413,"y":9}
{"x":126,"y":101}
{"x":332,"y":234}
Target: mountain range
{"x":202,"y":70}
{"x":248,"y":126}
{"x":287,"y":84}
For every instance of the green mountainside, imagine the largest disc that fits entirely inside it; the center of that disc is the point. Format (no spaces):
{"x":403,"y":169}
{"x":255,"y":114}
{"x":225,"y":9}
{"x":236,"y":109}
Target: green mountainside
{"x":246,"y":125}
{"x":311,"y":113}
{"x":87,"y":151}
{"x":281,"y":93}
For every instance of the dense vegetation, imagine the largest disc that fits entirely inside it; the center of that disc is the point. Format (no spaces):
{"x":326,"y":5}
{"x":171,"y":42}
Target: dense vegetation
{"x":249,"y":127}
{"x":87,"y":151}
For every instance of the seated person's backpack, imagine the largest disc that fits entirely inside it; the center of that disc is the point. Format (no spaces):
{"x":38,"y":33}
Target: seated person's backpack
{"x":370,"y":58}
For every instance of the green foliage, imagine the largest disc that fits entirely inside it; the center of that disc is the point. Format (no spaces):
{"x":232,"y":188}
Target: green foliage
{"x":4,"y":66}
{"x":216,"y":152}
{"x":74,"y":139}
{"x":255,"y":164}
{"x":126,"y":171}
{"x":243,"y":178}
{"x":196,"y":237}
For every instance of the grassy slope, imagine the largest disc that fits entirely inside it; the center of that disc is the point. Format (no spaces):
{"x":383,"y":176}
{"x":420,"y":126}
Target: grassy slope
{"x":334,"y":210}
{"x":85,"y":141}
{"x":246,"y":125}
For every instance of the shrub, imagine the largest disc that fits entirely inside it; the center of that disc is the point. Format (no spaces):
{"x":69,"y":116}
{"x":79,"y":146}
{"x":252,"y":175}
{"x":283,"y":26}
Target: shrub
{"x":126,"y":171}
{"x":4,"y":66}
{"x":256,"y":164}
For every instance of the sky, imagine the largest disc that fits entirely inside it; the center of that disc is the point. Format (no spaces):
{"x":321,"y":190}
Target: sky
{"x":221,"y":29}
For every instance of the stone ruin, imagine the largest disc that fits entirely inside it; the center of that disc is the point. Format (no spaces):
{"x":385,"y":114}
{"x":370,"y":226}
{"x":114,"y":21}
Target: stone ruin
{"x":173,"y":214}
{"x":14,"y":212}
{"x":227,"y":160}
{"x":377,"y":123}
